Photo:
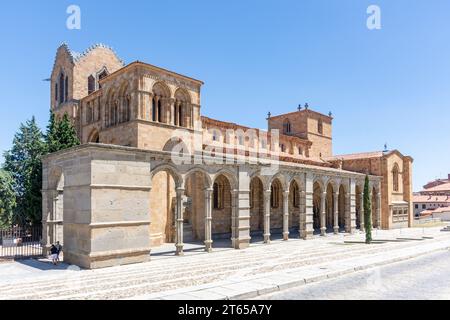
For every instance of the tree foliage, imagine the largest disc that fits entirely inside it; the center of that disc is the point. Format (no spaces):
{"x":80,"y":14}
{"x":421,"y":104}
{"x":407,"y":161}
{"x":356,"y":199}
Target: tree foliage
{"x":23,"y":162}
{"x":367,"y":211}
{"x":7,"y":198}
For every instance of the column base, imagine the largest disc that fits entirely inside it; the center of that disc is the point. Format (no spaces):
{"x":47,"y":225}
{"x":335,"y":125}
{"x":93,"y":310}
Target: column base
{"x":336,"y":230}
{"x":323,"y":232}
{"x":267,"y":238}
{"x":240,"y":243}
{"x":208,"y":246}
{"x":179,"y":249}
{"x":285,"y":236}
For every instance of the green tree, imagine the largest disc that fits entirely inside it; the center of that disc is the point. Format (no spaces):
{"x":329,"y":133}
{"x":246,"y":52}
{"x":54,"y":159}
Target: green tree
{"x":51,"y":136}
{"x":65,"y":134}
{"x":367,"y":212}
{"x":7,"y":198}
{"x":23,"y":162}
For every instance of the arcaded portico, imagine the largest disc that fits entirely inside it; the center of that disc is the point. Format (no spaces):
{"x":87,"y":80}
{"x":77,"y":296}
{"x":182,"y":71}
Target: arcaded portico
{"x":152,"y":170}
{"x":105,"y":192}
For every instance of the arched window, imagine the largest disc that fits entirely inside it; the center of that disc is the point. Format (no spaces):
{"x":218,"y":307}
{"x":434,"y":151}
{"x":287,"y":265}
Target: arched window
{"x":66,"y":89}
{"x":320,"y":126}
{"x":218,"y":196}
{"x":102,"y":75}
{"x":154,"y":109}
{"x":295,"y":197}
{"x":282,"y":148}
{"x":287,"y":127}
{"x":395,"y":173}
{"x":127,"y":110}
{"x":274,"y":196}
{"x":300,"y":151}
{"x":61,"y":88}
{"x":91,"y":84}
{"x":56,"y":92}
{"x":160,"y":110}
{"x":180,"y":115}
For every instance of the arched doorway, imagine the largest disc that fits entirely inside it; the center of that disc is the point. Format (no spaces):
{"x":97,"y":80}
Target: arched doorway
{"x":94,"y":137}
{"x":330,"y":208}
{"x":162,"y":207}
{"x":276,"y":208}
{"x":221,"y":209}
{"x":317,"y":206}
{"x":294,"y":208}
{"x":256,"y":207}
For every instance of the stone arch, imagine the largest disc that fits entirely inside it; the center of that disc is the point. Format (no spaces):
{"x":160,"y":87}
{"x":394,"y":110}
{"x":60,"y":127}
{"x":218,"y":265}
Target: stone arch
{"x":221,"y":223}
{"x":318,"y":189}
{"x":281,"y":178}
{"x":125,"y":102}
{"x":164,"y":181}
{"x":230,"y":175}
{"x":182,"y":108}
{"x":197,"y":182}
{"x":94,"y":136}
{"x":176,"y":144}
{"x":161,"y":92}
{"x":161,"y":89}
{"x":277,"y":187}
{"x":330,"y":205}
{"x":172,"y":171}
{"x":294,"y":204}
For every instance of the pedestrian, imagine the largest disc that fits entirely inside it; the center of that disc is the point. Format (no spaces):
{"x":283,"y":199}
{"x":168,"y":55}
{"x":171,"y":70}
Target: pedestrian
{"x":59,"y":248}
{"x":54,"y":254}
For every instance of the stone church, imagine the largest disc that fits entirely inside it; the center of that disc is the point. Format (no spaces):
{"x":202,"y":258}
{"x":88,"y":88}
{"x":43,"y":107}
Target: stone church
{"x":152,"y":170}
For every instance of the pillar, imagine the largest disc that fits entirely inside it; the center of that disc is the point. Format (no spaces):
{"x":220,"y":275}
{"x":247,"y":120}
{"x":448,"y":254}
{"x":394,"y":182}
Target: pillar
{"x":302,"y":215}
{"x":179,"y":223}
{"x":323,"y":227}
{"x":267,"y":195}
{"x":336,"y":213}
{"x":285,"y":215}
{"x":241,"y":209}
{"x":309,"y":206}
{"x":208,"y":219}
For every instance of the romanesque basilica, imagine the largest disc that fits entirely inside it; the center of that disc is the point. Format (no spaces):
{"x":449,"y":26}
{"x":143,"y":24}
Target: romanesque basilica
{"x":152,"y":170}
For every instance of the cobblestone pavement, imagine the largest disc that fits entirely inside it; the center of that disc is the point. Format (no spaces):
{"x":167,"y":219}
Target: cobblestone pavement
{"x":422,"y":278}
{"x":183,"y":277}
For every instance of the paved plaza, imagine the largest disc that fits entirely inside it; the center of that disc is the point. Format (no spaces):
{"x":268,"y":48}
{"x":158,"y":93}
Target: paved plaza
{"x":422,"y":278}
{"x":227,"y":273}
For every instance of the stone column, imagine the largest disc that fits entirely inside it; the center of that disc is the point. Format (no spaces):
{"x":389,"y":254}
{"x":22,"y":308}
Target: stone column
{"x":302,"y":215}
{"x":234,"y":218}
{"x":336,"y":213}
{"x":242,"y":209}
{"x":285,"y":215}
{"x":361,"y":212}
{"x":323,"y":227}
{"x":208,"y":219}
{"x":267,"y":195}
{"x":156,"y":108}
{"x":179,"y":222}
{"x":309,"y":206}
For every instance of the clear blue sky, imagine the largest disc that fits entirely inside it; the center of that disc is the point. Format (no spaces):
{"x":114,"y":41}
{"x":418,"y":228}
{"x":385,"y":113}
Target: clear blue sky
{"x":390,"y":85}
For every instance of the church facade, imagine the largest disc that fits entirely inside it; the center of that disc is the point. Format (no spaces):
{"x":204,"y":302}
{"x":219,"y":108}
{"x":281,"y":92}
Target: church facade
{"x":152,"y":170}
